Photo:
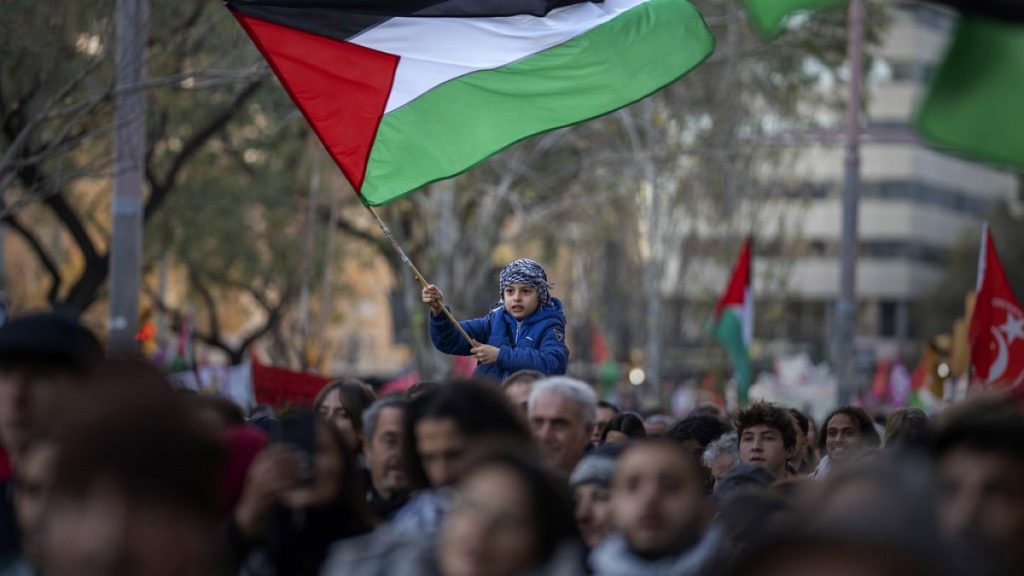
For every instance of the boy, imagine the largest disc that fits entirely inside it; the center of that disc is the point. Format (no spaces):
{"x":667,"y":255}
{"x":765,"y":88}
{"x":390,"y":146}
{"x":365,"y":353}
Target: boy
{"x":525,"y":331}
{"x":767,"y":437}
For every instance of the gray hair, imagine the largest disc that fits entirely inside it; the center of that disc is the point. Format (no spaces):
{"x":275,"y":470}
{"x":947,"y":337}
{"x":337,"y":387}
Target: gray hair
{"x":727,"y":444}
{"x":372,"y":414}
{"x":576,"y":390}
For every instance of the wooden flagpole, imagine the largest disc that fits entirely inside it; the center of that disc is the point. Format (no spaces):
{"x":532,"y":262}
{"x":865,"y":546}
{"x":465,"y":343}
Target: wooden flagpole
{"x":423,"y":281}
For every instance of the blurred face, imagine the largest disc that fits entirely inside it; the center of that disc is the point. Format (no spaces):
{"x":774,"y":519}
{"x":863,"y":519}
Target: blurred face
{"x":593,"y":513}
{"x":106,"y":534}
{"x":490,"y":531}
{"x":658,"y":501}
{"x":33,"y":476}
{"x":384,"y":453}
{"x":328,"y":474}
{"x":763,"y":445}
{"x":520,"y":300}
{"x":982,"y":494}
{"x":28,"y":395}
{"x":842,"y":438}
{"x":519,"y":394}
{"x":559,"y":429}
{"x":332,"y":410}
{"x":441,"y":447}
{"x":604,"y":415}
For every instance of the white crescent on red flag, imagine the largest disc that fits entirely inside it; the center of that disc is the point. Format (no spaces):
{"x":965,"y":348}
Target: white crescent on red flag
{"x":997,"y":325}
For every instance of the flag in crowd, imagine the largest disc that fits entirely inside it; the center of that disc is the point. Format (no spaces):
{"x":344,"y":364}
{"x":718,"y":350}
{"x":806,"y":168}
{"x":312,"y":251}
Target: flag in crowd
{"x":733,"y":322}
{"x":997,"y":323}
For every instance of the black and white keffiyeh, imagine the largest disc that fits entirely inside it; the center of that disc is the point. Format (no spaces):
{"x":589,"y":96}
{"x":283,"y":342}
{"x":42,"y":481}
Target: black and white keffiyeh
{"x":525,"y":271}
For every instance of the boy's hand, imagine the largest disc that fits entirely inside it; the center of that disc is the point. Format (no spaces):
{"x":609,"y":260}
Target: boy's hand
{"x":484,"y":353}
{"x":433,"y":296}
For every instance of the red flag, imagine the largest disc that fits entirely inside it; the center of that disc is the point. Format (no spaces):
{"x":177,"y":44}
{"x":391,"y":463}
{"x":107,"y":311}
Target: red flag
{"x":278,"y":387}
{"x":997,"y":326}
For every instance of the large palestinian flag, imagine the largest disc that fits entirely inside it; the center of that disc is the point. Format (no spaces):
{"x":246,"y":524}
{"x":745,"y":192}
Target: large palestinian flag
{"x":405,"y":92}
{"x":733,"y":324}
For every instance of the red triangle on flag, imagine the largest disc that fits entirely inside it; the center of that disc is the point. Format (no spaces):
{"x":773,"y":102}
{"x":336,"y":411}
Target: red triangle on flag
{"x":341,"y":88}
{"x":997,"y":325}
{"x":736,"y":293}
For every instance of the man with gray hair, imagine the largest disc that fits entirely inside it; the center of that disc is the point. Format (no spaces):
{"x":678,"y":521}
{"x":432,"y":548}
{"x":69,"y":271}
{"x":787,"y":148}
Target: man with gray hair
{"x":562,"y":412}
{"x":387,"y":486}
{"x":721,"y":455}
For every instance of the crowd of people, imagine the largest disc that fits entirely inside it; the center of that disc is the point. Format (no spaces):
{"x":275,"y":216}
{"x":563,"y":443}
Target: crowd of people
{"x":108,"y":470}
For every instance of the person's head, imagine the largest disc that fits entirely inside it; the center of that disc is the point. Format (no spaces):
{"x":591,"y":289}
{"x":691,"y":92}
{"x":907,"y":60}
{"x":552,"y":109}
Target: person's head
{"x":382,"y":446}
{"x":706,"y":409}
{"x":657,"y":425}
{"x":510,"y":516}
{"x":658,"y":498}
{"x":217,"y":412}
{"x":523,"y":288}
{"x":847,"y":431}
{"x":605,"y":412}
{"x":802,"y":459}
{"x":591,"y":488}
{"x":561,"y":415}
{"x":979,"y":450}
{"x":441,"y":424}
{"x":136,"y":484}
{"x":742,"y":478}
{"x":721,"y":455}
{"x":43,"y":357}
{"x":518,"y":385}
{"x":694,"y":433}
{"x":342,"y":403}
{"x":906,"y":428}
{"x":336,"y":479}
{"x":33,"y":479}
{"x":767,"y":436}
{"x":622,"y":428}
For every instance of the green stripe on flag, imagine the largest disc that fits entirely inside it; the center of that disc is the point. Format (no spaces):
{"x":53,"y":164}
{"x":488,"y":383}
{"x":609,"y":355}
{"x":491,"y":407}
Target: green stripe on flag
{"x":729,"y":333}
{"x":975,"y":106}
{"x":470,"y":118}
{"x":768,"y":16}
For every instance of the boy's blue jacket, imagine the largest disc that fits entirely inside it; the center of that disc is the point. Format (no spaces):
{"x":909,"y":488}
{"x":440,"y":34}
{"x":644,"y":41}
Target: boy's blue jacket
{"x":535,"y":343}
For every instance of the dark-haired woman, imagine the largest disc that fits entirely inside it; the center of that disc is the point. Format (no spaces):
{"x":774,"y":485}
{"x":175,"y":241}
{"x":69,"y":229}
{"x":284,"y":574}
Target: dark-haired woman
{"x":285,"y":524}
{"x":342,"y":403}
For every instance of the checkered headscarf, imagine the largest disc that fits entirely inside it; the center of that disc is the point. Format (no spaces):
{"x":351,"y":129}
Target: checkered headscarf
{"x":525,"y":271}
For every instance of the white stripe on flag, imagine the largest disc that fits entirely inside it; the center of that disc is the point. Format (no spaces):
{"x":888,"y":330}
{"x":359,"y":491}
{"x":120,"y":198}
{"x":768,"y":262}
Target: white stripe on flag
{"x":436,"y":50}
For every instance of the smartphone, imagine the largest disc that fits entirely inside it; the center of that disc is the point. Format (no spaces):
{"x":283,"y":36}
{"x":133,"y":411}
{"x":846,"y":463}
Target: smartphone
{"x":298,"y":430}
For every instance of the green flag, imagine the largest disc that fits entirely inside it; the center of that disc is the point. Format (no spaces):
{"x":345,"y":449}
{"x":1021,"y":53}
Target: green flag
{"x":975,"y":107}
{"x":768,"y":16}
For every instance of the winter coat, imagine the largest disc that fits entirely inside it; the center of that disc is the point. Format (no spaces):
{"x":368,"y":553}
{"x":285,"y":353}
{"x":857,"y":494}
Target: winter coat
{"x":534,"y":343}
{"x":614,"y":558}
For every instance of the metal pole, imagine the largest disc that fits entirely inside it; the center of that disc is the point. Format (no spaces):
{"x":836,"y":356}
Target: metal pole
{"x":846,"y":307}
{"x":129,"y":149}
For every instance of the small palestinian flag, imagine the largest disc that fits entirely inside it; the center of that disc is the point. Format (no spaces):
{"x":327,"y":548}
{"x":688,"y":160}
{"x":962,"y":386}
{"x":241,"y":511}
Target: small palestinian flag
{"x":403,"y":93}
{"x":733,"y":325}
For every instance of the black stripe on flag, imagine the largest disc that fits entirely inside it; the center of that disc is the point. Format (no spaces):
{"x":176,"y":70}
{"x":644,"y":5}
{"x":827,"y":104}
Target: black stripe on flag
{"x":344,"y":19}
